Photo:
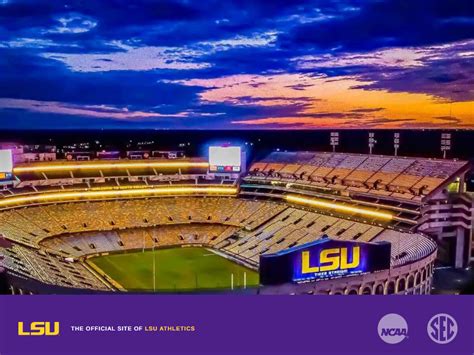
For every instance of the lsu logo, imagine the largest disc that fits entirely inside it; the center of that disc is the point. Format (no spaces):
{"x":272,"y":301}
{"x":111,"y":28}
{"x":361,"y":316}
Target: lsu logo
{"x":39,"y":329}
{"x":331,"y":259}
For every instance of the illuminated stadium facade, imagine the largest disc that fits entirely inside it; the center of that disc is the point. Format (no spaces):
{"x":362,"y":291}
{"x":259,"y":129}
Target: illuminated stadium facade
{"x":328,"y":210}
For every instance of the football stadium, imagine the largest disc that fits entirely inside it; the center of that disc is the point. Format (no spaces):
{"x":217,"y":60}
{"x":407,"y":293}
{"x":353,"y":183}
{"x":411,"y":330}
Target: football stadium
{"x":294,"y":223}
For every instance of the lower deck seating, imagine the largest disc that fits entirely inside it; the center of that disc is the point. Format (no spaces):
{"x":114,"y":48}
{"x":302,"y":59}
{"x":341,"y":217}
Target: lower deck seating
{"x":44,"y":237}
{"x":406,"y":247}
{"x":294,"y":227}
{"x":49,"y":268}
{"x":32,"y":224}
{"x":78,"y":245}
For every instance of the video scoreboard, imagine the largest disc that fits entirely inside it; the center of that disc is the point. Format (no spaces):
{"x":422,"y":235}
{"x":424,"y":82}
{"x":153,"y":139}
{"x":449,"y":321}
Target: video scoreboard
{"x":6,"y":164}
{"x":225,"y":159}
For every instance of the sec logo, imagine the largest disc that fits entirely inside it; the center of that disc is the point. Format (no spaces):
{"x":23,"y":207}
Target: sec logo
{"x":442,"y":328}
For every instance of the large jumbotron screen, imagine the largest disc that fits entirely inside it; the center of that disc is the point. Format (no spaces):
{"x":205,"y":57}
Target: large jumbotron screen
{"x":6,"y":164}
{"x":225,"y":159}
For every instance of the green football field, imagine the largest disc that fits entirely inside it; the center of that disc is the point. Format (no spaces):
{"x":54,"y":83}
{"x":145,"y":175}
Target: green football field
{"x":176,"y":269}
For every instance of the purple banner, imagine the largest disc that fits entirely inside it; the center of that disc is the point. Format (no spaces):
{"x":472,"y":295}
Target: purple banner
{"x":147,"y":324}
{"x":322,"y":259}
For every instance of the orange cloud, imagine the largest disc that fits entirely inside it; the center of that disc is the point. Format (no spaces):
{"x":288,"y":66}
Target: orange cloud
{"x":324,"y":95}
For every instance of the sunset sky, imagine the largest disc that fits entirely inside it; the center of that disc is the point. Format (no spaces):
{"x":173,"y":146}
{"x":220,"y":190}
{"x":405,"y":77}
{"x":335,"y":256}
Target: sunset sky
{"x":237,"y":64}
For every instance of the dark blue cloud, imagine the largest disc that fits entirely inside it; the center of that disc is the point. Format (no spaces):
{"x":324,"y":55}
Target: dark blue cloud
{"x":448,"y":79}
{"x":37,"y":78}
{"x":388,"y":24}
{"x":37,"y":36}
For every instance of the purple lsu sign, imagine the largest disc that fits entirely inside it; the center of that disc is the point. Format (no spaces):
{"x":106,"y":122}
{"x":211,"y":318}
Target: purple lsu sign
{"x":323,"y":259}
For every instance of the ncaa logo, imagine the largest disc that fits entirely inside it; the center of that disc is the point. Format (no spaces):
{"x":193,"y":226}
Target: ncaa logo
{"x":392,"y":328}
{"x":442,"y":328}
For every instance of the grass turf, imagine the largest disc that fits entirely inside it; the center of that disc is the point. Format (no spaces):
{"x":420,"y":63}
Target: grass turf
{"x":176,"y":269}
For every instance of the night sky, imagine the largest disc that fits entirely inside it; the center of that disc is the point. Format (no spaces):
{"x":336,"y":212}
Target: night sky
{"x":236,"y":64}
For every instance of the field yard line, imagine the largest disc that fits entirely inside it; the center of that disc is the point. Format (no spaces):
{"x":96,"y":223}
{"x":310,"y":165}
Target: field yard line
{"x":180,"y":269}
{"x":212,"y":252}
{"x":228,"y":257}
{"x":101,"y":273}
{"x":118,"y":266}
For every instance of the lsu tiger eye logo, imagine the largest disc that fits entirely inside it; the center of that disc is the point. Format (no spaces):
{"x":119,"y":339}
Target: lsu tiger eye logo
{"x":330,"y":260}
{"x":38,"y":329}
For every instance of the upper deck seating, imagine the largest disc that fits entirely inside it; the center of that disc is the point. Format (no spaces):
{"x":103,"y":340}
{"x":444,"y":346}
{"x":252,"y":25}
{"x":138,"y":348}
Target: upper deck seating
{"x":399,"y":177}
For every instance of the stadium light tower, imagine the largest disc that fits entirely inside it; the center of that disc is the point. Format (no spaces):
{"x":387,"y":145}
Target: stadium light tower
{"x":334,"y":140}
{"x":396,"y":142}
{"x":372,"y":141}
{"x":445,"y":143}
